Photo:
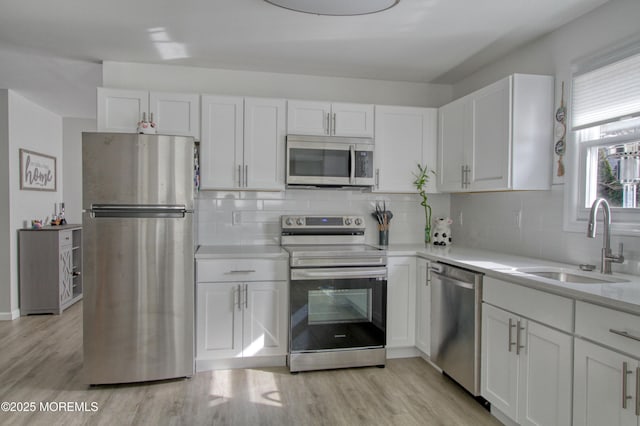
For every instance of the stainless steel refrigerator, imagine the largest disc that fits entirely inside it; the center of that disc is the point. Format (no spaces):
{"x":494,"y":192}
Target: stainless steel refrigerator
{"x":138,"y":270}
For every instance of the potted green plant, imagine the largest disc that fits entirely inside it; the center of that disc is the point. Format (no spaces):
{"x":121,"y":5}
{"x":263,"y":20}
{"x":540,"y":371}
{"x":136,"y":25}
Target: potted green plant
{"x":422,"y":178}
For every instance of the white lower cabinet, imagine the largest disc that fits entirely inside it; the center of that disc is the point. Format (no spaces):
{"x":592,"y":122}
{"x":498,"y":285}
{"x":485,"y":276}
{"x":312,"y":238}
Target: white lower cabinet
{"x":401,"y":306}
{"x":423,"y":307}
{"x":605,"y":387}
{"x":243,"y":321}
{"x":526,"y":368}
{"x":606,"y":380}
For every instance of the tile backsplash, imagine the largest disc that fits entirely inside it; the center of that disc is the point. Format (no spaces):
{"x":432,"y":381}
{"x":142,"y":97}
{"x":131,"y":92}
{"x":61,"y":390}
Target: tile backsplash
{"x":243,"y":217}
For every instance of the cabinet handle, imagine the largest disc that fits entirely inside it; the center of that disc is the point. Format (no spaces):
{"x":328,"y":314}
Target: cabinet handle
{"x":377,"y":178}
{"x":511,"y":325}
{"x":462,"y":176}
{"x":239,"y":292}
{"x":625,"y":373}
{"x":333,"y":131}
{"x":246,"y":296}
{"x":518,"y":345}
{"x":327,"y":128}
{"x":246,"y":175}
{"x":638,"y":391}
{"x":624,"y":334}
{"x":242,"y":271}
{"x":239,"y":175}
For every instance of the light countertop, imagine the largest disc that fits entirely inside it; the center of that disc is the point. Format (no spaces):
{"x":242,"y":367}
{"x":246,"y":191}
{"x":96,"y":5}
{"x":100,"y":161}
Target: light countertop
{"x":241,"y":252}
{"x":624,"y":296}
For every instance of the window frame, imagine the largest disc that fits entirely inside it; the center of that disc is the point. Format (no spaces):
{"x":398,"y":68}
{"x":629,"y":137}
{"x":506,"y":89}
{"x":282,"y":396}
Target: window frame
{"x":623,"y":221}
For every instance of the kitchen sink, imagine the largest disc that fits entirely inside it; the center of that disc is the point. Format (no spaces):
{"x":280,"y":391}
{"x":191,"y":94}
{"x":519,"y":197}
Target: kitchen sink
{"x":571,"y":276}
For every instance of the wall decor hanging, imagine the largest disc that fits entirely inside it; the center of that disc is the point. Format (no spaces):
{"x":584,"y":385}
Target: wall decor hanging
{"x":37,"y":171}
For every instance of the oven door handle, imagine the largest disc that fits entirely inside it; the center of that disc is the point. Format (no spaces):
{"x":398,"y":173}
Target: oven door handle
{"x":337,"y":273}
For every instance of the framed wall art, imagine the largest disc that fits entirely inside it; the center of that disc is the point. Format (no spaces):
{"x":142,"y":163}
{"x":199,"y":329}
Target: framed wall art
{"x":37,"y":171}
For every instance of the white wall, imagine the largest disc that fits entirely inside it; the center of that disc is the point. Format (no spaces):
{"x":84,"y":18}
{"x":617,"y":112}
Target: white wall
{"x":250,"y":83}
{"x":489,"y":219}
{"x":72,"y":129}
{"x":64,"y":86}
{"x":34,"y":128}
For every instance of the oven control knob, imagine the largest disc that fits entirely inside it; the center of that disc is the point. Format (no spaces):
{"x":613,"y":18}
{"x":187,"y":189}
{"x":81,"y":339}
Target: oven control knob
{"x":358,"y":221}
{"x":300,"y":221}
{"x":289,"y":221}
{"x":347,"y":221}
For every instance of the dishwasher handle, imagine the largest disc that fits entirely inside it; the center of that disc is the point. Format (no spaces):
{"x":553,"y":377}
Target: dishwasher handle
{"x":449,"y":280}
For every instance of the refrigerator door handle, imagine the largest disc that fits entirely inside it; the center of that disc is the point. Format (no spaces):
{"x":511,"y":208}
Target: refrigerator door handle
{"x":138,"y":211}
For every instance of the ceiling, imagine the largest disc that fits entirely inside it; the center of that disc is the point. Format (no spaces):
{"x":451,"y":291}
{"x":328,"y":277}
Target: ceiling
{"x":428,"y":41}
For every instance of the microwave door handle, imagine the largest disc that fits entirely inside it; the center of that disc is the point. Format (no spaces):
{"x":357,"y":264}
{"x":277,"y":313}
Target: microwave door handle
{"x":352,"y":156}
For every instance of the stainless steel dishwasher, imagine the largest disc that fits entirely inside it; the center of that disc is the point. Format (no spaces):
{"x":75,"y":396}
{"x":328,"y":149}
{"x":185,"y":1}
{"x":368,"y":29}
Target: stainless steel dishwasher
{"x":456,"y":303}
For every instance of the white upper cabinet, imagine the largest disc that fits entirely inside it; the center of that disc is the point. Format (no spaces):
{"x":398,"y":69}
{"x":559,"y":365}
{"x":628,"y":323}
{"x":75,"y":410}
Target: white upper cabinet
{"x":174,"y":113}
{"x":221,"y":144}
{"x":264,"y":143}
{"x":498,"y":138}
{"x":120,"y":110}
{"x":405,"y":136}
{"x":329,"y":119}
{"x":243,"y":143}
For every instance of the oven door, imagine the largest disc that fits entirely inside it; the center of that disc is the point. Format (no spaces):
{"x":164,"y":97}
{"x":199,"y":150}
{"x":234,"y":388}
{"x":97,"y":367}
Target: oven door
{"x":338,"y":308}
{"x":329,"y":163}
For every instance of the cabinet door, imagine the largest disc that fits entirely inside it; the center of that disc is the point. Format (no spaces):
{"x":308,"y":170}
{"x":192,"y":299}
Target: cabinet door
{"x":451,"y":144}
{"x":120,"y":110}
{"x":264,"y":143}
{"x":352,"y":120}
{"x":499,"y":376}
{"x":221,"y":145}
{"x":66,"y":274}
{"x":598,"y":386}
{"x":489,"y":150}
{"x":546,"y":377}
{"x":404,"y":137}
{"x":423,"y":307}
{"x":401,"y":305}
{"x":176,"y":113}
{"x":219,"y":320}
{"x":265,"y":319}
{"x":308,"y":118}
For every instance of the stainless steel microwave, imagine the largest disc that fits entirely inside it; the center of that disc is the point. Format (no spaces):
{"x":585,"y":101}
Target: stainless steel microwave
{"x":329,"y":161}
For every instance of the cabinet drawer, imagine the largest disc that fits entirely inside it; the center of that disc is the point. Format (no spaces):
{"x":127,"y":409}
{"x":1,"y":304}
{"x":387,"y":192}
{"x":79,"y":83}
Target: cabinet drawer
{"x":546,"y":308}
{"x":596,"y":323}
{"x":241,"y":270}
{"x":65,"y":238}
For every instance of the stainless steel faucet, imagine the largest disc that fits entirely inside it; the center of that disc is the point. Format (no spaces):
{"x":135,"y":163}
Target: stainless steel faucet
{"x":607,"y":257}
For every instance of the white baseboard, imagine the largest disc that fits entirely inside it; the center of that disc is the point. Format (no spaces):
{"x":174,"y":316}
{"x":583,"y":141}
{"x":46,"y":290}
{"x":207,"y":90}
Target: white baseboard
{"x":251,"y":362}
{"x":409,"y":352}
{"x":10,"y":316}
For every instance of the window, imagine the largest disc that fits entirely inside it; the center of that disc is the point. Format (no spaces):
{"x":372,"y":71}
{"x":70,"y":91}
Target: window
{"x":605,"y":119}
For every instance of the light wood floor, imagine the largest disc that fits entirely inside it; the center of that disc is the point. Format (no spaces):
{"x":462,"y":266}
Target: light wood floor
{"x":41,"y":360}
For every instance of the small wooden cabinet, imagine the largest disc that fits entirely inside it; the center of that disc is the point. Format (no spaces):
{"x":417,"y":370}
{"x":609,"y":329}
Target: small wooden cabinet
{"x":50,"y":269}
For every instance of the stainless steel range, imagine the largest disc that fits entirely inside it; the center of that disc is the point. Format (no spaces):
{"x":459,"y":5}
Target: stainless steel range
{"x":338,"y":296}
